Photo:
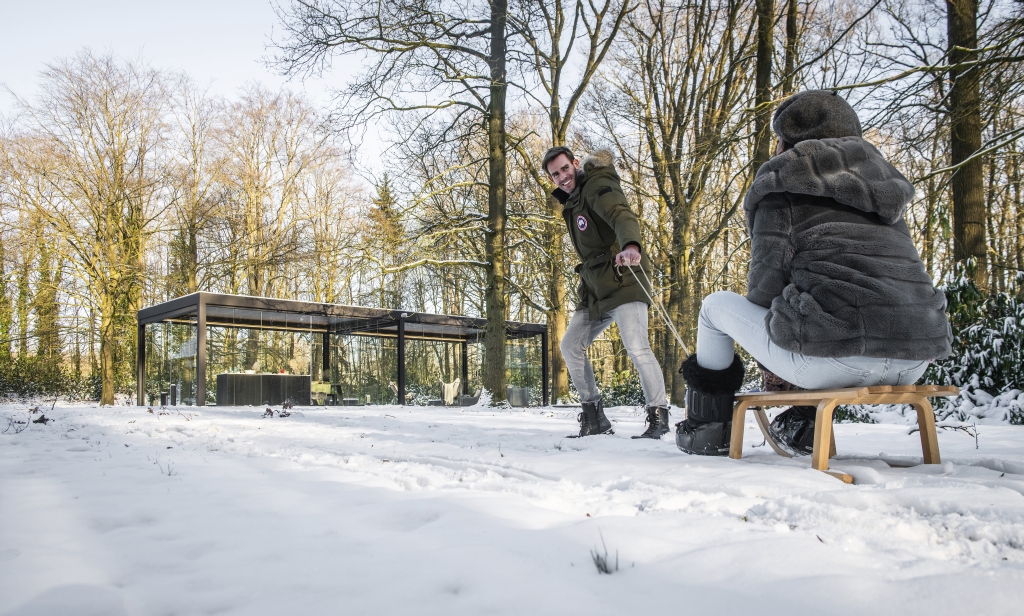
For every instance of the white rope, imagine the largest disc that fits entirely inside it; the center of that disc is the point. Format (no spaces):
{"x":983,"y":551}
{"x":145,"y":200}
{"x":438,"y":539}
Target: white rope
{"x":657,"y":305}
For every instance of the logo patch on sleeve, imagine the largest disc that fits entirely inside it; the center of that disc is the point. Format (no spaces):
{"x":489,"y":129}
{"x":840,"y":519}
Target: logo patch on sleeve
{"x":581,"y":222}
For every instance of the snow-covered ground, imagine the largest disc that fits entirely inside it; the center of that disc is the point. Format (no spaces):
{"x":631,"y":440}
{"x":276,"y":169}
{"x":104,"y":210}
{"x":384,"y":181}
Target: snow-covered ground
{"x":391,"y":510}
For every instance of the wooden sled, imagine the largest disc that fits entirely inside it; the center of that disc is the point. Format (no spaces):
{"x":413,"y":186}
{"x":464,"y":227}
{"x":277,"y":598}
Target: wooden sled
{"x":826,"y":400}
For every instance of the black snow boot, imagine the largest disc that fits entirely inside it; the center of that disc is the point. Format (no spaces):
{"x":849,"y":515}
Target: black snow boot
{"x":592,"y":420}
{"x":657,"y":423}
{"x":793,"y":430}
{"x":710,"y":397}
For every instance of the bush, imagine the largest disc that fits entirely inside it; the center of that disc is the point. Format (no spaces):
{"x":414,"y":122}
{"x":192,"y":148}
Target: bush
{"x":32,"y":377}
{"x":624,"y":390}
{"x":988,"y":342}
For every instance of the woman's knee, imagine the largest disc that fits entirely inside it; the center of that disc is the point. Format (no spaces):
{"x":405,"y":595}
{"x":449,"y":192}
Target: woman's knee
{"x":719,"y":299}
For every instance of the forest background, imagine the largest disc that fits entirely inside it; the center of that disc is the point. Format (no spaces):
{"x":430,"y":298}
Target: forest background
{"x":123,"y":185}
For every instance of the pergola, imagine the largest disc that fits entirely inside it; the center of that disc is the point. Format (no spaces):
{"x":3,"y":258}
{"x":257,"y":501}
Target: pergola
{"x":202,"y":310}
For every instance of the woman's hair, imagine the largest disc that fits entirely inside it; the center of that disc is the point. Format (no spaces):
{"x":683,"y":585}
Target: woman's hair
{"x":554,"y":153}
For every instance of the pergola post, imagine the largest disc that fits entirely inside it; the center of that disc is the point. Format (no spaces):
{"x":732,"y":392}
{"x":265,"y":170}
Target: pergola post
{"x":326,"y":358}
{"x":401,"y":359}
{"x":465,"y":367}
{"x":140,"y":367}
{"x":544,"y":366}
{"x":201,"y":351}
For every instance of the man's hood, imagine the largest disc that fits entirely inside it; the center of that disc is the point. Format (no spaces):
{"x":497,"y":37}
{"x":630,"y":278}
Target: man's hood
{"x":847,"y":169}
{"x":602,"y":160}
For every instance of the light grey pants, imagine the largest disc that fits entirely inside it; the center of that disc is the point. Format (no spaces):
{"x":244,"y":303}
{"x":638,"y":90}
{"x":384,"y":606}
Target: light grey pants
{"x":726,"y":317}
{"x":632,"y":321}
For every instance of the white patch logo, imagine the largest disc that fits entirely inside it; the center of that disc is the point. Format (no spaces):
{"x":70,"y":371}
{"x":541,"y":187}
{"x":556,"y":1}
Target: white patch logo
{"x":581,"y":222}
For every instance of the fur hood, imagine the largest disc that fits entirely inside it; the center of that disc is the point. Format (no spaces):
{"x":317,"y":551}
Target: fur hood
{"x":598,"y":159}
{"x":847,"y":169}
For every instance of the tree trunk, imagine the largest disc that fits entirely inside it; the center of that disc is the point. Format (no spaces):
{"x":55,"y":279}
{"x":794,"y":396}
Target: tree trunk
{"x":965,"y":139}
{"x":494,"y":336}
{"x":108,"y":341}
{"x":558,"y":313}
{"x":763,"y":85}
{"x":792,"y":39}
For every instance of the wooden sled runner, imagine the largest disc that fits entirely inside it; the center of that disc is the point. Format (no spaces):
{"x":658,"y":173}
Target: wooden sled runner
{"x":826,"y":400}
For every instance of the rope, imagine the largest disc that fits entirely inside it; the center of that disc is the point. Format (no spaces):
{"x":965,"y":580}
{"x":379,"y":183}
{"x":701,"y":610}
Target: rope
{"x":658,"y":307}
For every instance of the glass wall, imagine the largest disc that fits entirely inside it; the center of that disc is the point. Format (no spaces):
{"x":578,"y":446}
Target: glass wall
{"x":428,"y":364}
{"x":171,"y":361}
{"x":262,"y":358}
{"x":523,"y":370}
{"x":364,"y":369}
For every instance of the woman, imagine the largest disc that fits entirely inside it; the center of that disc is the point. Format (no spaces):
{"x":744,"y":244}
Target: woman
{"x":837,"y":294}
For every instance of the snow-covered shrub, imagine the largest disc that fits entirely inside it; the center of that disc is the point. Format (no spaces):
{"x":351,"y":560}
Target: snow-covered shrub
{"x":988,"y":351}
{"x":27,"y":377}
{"x":624,"y":390}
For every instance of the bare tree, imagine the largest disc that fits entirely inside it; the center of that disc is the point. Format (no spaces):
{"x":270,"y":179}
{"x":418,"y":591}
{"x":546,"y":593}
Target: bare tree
{"x":554,"y":33}
{"x":429,"y":56}
{"x":688,"y":98}
{"x":195,"y":169}
{"x":965,"y":137}
{"x":99,"y":124}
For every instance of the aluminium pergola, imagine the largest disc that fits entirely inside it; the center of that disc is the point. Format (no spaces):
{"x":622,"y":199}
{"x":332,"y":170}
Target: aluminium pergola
{"x":216,"y":309}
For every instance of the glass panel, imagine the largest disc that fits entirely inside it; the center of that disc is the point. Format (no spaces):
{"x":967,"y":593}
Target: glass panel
{"x":364,"y":369}
{"x":428,"y":364}
{"x":171,"y":361}
{"x":523,"y":359}
{"x":262,"y":358}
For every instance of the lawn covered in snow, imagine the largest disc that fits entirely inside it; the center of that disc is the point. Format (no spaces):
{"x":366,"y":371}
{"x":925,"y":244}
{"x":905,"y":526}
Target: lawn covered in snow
{"x":432,"y":510}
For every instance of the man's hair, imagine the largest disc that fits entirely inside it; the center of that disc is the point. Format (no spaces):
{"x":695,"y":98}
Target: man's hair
{"x":554,"y":153}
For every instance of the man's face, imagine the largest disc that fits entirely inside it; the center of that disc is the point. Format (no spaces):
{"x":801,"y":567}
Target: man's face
{"x":562,"y":172}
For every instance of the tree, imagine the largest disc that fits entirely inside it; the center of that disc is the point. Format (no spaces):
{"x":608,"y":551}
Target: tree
{"x":550,"y":31}
{"x":385,"y":238}
{"x":432,"y":57}
{"x":99,"y":123}
{"x":685,"y":98}
{"x":965,"y":138}
{"x":763,"y":83}
{"x":195,"y":171}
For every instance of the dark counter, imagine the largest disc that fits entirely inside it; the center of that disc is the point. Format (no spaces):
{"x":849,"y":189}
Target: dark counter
{"x":236,"y":389}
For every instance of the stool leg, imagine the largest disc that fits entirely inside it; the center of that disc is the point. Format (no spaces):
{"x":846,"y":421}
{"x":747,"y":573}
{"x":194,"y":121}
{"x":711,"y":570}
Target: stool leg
{"x":736,"y":440}
{"x":926,"y":423}
{"x":832,"y":444}
{"x":822,"y":435}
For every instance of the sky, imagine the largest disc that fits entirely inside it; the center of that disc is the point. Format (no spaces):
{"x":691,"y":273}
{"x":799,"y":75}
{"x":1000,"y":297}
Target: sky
{"x":220,"y":43}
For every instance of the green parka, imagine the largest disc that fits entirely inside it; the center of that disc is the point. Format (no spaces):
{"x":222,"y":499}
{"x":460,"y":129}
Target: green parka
{"x":600,"y":223}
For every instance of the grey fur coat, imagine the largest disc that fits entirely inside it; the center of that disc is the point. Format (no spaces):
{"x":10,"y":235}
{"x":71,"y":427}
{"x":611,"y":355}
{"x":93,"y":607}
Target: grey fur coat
{"x":832,"y":257}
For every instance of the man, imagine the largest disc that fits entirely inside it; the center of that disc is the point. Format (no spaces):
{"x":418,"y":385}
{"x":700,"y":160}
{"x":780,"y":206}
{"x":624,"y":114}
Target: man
{"x":606,"y":235}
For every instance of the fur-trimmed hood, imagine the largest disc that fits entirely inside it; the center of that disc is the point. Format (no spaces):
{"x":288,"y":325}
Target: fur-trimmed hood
{"x":847,"y":169}
{"x":598,"y":159}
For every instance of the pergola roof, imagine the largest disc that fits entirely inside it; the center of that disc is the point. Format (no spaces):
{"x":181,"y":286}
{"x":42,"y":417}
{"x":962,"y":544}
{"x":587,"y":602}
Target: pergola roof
{"x":282,"y":314}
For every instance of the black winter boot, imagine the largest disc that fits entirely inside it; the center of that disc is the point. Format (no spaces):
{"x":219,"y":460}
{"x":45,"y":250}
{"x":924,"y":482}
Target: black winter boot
{"x":592,"y":420}
{"x":657,"y":423}
{"x":710,"y":397}
{"x":793,"y":430}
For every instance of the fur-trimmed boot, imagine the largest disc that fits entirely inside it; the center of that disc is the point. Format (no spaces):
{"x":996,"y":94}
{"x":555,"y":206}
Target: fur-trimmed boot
{"x":793,"y":430}
{"x":657,"y":423}
{"x":710,"y":397}
{"x":593,"y":420}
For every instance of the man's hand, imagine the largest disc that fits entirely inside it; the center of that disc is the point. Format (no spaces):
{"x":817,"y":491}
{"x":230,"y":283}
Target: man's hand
{"x":629,"y":256}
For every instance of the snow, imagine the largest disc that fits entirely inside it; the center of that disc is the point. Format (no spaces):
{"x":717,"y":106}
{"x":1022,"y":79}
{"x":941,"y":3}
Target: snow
{"x":433,"y":510}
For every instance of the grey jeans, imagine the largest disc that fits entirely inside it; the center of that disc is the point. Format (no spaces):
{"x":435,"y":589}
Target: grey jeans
{"x":632,"y":321}
{"x":726,"y":317}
